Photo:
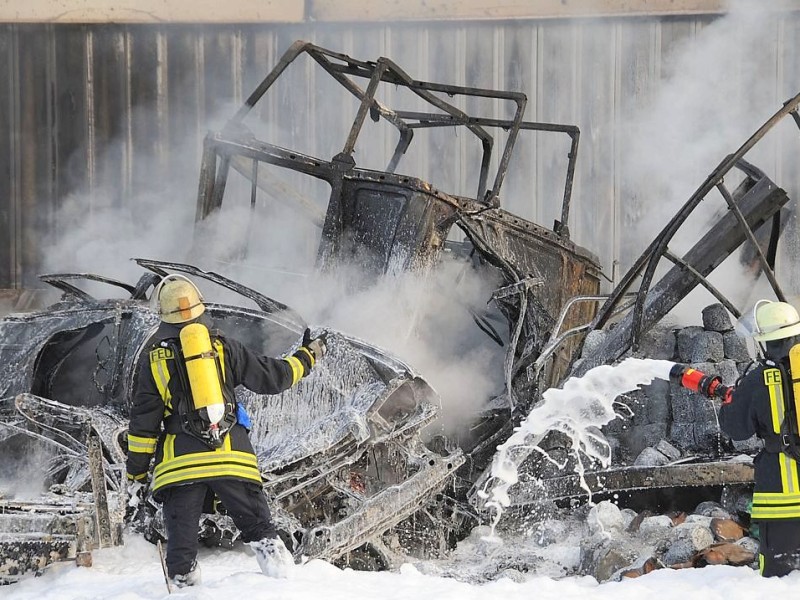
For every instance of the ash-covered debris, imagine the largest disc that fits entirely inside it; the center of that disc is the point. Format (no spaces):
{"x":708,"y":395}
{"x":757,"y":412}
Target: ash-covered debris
{"x":604,"y":541}
{"x":624,"y":543}
{"x":58,"y":525}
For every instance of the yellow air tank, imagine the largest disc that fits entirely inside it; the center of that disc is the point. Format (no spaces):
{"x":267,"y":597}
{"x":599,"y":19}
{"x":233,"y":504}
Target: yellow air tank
{"x":202,"y":370}
{"x":794,"y":366}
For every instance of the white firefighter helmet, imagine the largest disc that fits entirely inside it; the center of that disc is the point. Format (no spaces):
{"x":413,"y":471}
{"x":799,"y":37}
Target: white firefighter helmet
{"x":769,"y":321}
{"x":178,"y":300}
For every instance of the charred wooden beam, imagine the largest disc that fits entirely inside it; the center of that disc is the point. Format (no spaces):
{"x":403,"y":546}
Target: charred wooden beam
{"x":636,"y":478}
{"x":757,"y":202}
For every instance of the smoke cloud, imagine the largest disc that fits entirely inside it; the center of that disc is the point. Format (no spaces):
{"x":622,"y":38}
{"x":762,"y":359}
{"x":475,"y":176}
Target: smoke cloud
{"x":425,"y":320}
{"x":711,"y":98}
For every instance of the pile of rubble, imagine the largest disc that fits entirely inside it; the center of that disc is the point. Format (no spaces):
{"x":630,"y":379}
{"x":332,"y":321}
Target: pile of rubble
{"x":603,"y":541}
{"x":666,"y":422}
{"x":621,"y":543}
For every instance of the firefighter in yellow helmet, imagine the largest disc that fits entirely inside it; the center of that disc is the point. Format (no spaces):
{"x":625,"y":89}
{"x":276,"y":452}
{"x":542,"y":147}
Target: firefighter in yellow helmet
{"x":763,"y":403}
{"x":184,"y":414}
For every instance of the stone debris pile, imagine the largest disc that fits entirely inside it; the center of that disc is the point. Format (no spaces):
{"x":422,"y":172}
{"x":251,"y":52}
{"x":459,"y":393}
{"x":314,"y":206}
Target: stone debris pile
{"x":603,"y":541}
{"x":622,"y":543}
{"x":665,"y":422}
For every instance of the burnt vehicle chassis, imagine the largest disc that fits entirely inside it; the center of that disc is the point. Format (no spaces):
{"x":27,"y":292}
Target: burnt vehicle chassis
{"x":386,"y":221}
{"x":340,"y":452}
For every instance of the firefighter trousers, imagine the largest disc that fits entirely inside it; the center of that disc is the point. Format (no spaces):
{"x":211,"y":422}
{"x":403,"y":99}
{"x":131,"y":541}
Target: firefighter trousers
{"x":244,"y":502}
{"x":779,"y":552}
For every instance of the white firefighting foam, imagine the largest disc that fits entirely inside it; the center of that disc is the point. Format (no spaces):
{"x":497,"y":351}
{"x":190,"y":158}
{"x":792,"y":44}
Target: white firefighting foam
{"x":578,"y":409}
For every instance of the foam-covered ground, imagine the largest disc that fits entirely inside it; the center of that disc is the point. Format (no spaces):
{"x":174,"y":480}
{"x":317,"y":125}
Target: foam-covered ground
{"x":133,"y":572}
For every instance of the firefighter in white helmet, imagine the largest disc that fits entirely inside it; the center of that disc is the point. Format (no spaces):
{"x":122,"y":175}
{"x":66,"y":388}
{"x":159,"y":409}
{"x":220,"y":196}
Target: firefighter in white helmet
{"x":764,"y":403}
{"x":184,"y":414}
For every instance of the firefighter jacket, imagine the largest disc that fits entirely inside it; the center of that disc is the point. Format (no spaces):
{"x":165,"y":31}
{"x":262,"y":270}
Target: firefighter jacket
{"x":757,"y":407}
{"x":180,"y":457}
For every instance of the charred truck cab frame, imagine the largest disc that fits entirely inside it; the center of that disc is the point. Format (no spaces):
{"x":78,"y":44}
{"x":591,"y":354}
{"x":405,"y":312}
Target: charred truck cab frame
{"x":403,"y":222}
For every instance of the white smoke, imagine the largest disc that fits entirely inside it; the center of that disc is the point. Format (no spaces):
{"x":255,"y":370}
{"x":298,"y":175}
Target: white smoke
{"x":426,"y":320}
{"x":711,"y":98}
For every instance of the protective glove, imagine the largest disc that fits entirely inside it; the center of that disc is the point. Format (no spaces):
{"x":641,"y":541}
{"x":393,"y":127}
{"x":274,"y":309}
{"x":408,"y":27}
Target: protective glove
{"x":136,"y":506}
{"x":318,"y":346}
{"x":137,"y":490}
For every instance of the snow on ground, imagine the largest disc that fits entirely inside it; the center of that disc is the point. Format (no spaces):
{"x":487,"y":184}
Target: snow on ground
{"x":133,"y":572}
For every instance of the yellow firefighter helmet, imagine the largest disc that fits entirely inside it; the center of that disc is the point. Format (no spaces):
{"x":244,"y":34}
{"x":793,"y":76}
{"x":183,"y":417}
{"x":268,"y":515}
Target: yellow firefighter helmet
{"x":775,"y":321}
{"x":178,"y":299}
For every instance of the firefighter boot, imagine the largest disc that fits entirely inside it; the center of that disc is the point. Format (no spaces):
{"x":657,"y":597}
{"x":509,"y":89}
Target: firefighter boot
{"x":273,"y":557}
{"x":187,"y":579}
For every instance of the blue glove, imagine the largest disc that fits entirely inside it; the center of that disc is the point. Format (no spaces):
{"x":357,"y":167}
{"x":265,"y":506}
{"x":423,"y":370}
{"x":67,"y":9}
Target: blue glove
{"x":242,"y":417}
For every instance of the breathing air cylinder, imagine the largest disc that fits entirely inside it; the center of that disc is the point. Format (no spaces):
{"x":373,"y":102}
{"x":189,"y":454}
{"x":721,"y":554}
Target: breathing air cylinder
{"x":794,"y":366}
{"x":201,"y":366}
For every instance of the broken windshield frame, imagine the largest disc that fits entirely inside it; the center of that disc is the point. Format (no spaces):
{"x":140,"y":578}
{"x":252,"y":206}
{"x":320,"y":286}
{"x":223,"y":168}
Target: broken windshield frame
{"x":272,"y":307}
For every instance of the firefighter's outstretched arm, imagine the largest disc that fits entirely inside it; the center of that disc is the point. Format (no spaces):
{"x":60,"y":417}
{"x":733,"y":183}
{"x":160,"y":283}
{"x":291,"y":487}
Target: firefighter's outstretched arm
{"x":267,"y":375}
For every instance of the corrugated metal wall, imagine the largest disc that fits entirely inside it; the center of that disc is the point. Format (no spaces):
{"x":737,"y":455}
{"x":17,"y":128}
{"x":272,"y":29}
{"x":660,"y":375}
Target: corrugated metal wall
{"x":86,"y":109}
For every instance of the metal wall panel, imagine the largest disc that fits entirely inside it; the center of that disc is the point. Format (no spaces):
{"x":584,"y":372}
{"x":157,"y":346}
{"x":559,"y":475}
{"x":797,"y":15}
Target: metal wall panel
{"x":8,"y":177}
{"x":598,"y":103}
{"x":787,"y":170}
{"x":107,"y":113}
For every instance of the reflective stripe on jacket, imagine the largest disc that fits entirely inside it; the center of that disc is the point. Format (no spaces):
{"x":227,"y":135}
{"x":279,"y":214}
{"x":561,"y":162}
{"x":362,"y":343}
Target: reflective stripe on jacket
{"x":758,"y":408}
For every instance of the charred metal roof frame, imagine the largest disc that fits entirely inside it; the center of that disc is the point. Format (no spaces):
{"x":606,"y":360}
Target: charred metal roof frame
{"x":61,"y":282}
{"x":161,"y":269}
{"x":753,"y":203}
{"x":343,"y":68}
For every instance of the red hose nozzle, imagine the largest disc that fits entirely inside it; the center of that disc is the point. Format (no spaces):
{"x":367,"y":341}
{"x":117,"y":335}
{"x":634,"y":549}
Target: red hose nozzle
{"x":697,"y":381}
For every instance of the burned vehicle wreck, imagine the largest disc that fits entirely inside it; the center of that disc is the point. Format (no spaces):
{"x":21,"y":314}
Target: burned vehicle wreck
{"x":385,"y":222}
{"x":342,"y":460}
{"x":557,"y":324}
